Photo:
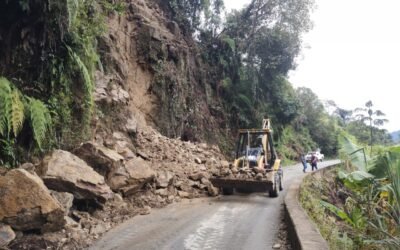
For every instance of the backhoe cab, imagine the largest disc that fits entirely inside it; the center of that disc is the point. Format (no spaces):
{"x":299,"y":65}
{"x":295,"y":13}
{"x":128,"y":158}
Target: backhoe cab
{"x":256,"y":166}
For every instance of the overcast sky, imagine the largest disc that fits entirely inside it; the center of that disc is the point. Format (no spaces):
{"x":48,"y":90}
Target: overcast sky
{"x":353,"y":54}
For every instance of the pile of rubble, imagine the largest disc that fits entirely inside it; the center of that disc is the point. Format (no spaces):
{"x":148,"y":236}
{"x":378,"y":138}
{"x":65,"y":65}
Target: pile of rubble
{"x":70,"y":199}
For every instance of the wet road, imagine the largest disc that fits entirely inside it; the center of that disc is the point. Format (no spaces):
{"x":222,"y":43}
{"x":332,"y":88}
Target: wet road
{"x":240,"y":221}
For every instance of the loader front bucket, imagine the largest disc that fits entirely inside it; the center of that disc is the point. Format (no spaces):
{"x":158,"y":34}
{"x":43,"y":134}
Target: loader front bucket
{"x":252,"y":185}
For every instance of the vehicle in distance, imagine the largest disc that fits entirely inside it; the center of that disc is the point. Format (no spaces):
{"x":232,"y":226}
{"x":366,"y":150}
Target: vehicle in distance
{"x":318,"y":154}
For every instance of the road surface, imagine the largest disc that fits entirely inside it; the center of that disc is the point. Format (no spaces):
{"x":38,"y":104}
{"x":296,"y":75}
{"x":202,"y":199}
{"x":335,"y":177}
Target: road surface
{"x":240,"y":221}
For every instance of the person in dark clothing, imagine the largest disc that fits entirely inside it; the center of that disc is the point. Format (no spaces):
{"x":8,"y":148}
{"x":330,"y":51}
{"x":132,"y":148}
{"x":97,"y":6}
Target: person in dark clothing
{"x":314,"y":161}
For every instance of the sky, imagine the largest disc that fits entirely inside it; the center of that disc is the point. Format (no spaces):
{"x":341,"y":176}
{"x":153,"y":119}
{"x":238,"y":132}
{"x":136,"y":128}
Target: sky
{"x":352,"y":54}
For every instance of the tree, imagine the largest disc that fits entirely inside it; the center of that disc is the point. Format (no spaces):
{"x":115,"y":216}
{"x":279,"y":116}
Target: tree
{"x":370,"y":117}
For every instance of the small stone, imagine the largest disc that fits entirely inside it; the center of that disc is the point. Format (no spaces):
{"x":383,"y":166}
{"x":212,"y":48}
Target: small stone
{"x":28,"y":167}
{"x":183,"y":194}
{"x":145,"y":210}
{"x":276,"y":246}
{"x":197,"y":160}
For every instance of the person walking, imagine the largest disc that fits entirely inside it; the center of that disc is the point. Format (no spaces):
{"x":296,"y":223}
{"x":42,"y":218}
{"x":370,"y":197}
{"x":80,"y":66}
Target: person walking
{"x":314,"y":161}
{"x":304,"y":162}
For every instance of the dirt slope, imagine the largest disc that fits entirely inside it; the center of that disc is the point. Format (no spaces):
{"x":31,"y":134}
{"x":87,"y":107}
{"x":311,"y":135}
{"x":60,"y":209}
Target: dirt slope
{"x":145,"y":54}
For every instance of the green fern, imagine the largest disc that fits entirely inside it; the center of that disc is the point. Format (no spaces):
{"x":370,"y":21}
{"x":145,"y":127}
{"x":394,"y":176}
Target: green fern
{"x":17,"y":114}
{"x":5,"y":106}
{"x":87,"y":80}
{"x":40,"y":120}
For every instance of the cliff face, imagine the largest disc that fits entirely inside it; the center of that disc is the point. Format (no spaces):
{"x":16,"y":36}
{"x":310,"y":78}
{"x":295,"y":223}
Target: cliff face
{"x":168,"y":87}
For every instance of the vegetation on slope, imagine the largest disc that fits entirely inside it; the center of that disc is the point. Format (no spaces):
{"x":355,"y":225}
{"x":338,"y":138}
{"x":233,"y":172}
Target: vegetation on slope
{"x":48,"y":57}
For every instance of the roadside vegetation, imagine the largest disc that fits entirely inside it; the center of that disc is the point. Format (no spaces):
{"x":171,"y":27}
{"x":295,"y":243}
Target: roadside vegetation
{"x":357,"y":206}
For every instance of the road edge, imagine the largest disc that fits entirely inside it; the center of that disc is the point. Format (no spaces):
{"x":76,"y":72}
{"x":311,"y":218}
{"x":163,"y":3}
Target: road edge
{"x":303,"y":233}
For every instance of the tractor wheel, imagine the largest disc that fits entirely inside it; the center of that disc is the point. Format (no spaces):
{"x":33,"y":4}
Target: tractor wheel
{"x":275,"y":187}
{"x":227,"y":191}
{"x":280,"y":184}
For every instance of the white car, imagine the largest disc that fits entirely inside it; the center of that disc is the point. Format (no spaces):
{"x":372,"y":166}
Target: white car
{"x":318,"y":154}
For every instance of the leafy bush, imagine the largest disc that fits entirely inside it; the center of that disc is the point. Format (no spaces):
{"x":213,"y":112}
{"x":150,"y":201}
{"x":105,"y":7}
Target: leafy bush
{"x":368,"y":205}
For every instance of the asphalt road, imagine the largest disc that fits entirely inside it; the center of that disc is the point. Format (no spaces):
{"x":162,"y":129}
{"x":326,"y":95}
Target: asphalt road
{"x":240,"y":221}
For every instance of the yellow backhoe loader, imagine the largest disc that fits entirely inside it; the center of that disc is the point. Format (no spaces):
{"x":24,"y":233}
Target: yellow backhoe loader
{"x":256,"y":167}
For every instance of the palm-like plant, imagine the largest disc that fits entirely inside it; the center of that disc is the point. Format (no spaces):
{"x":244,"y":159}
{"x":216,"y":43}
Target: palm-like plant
{"x":371,"y":117}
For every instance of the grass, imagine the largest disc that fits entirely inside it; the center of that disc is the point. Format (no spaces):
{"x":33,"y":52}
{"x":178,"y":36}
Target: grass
{"x":314,"y":189}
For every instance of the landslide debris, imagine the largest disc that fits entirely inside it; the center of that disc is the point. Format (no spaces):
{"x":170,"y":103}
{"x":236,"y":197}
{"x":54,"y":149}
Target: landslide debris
{"x":162,"y":171}
{"x":26,"y":203}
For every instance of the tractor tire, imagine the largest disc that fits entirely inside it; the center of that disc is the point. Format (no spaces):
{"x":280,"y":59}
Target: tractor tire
{"x":227,"y":191}
{"x":274,"y":192}
{"x":280,"y":184}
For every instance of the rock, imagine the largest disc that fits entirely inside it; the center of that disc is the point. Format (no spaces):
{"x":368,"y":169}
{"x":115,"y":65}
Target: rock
{"x":226,"y":172}
{"x":170,"y":199}
{"x":212,"y":191}
{"x":145,"y":210}
{"x":258,"y":170}
{"x":125,"y":152}
{"x":203,"y":168}
{"x":65,"y":199}
{"x":143,"y":155}
{"x":3,"y":170}
{"x":235,"y":170}
{"x":224,"y":164}
{"x":183,"y":194}
{"x":132,"y":176}
{"x":119,"y":95}
{"x":28,"y":167}
{"x":65,"y":172}
{"x":118,"y":198}
{"x":98,"y":229}
{"x":186,"y":186}
{"x":164,"y":179}
{"x":276,"y":246}
{"x":6,"y":235}
{"x":259,"y":176}
{"x":131,"y":125}
{"x":26,"y":203}
{"x":197,"y":160}
{"x":102,"y":159}
{"x":71,"y":223}
{"x":162,"y":192}
{"x":204,"y":181}
{"x":199,"y":176}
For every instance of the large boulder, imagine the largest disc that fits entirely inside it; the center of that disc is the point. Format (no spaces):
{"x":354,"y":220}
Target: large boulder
{"x":132,"y":176}
{"x":26,"y":203}
{"x":65,"y":172}
{"x":102,"y":159}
